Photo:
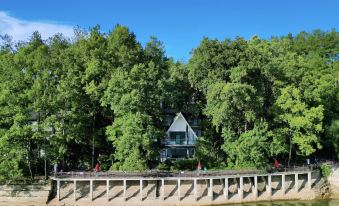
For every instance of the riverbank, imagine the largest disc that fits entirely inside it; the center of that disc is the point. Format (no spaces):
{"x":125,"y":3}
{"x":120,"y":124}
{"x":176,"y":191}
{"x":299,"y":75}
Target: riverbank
{"x":288,"y":202}
{"x":25,"y":194}
{"x":196,"y":190}
{"x":83,"y":189}
{"x":170,"y":198}
{"x":333,"y":180}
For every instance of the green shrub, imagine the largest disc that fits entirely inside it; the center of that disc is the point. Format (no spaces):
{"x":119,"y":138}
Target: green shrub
{"x":187,"y":164}
{"x":325,"y":170}
{"x":163,"y":166}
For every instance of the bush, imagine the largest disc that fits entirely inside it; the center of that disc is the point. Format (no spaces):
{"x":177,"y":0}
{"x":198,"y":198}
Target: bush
{"x":187,"y":164}
{"x":207,"y":153}
{"x":163,"y":166}
{"x":325,"y":170}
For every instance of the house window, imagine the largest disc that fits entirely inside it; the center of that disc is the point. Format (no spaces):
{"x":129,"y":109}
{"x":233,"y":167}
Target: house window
{"x":191,"y":152}
{"x":197,"y":132}
{"x":177,"y":153}
{"x":178,"y":137}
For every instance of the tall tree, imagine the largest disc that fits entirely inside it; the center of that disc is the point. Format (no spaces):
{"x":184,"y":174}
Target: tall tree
{"x":134,"y":93}
{"x":300,"y":123}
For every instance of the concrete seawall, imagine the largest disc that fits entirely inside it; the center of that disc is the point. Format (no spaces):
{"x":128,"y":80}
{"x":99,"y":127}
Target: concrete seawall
{"x":22,"y":194}
{"x":333,"y":180}
{"x":204,"y":190}
{"x":171,"y":190}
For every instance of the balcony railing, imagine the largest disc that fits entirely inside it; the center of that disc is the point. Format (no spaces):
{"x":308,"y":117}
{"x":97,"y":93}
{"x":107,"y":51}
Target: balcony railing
{"x":181,"y":142}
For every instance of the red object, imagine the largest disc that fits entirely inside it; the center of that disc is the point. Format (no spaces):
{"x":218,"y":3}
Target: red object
{"x":276,"y":164}
{"x":199,"y":166}
{"x":97,"y":167}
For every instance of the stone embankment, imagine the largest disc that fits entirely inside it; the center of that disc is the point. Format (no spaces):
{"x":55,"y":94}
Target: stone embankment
{"x":171,"y":190}
{"x":194,"y":190}
{"x":333,"y":181}
{"x":23,"y":194}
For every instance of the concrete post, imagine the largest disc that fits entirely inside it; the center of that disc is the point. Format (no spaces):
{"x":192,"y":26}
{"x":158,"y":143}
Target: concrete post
{"x":179,"y":195}
{"x":241,"y":188}
{"x":269,"y":186}
{"x":141,"y":187}
{"x":195,"y":190}
{"x":58,"y":189}
{"x":283,"y":184}
{"x":255,"y":187}
{"x":107,"y":189}
{"x":226,"y":188}
{"x":296,"y":183}
{"x":91,"y":189}
{"x":211,"y":189}
{"x":163,"y":189}
{"x":75,"y":190}
{"x":124,"y":190}
{"x":309,"y":180}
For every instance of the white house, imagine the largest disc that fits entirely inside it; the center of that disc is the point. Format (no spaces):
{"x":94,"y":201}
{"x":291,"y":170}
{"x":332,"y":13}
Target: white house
{"x":180,"y":139}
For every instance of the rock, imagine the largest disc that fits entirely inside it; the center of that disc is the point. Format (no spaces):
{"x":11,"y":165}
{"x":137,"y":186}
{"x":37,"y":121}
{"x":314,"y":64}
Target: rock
{"x":233,"y":188}
{"x":247,"y":184}
{"x":261,"y":186}
{"x":325,"y":191}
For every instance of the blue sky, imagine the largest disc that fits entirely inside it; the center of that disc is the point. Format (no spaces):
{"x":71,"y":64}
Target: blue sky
{"x":179,"y":24}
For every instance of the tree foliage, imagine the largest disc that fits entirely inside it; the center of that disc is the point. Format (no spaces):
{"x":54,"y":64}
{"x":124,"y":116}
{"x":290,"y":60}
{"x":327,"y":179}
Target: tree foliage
{"x":101,"y":97}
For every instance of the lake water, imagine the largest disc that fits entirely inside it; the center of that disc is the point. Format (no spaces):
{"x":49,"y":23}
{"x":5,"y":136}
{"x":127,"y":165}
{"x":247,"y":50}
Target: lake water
{"x":292,"y":203}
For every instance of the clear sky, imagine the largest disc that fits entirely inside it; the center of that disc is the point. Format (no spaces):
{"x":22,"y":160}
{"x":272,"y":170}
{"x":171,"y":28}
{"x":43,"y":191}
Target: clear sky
{"x":179,"y":24}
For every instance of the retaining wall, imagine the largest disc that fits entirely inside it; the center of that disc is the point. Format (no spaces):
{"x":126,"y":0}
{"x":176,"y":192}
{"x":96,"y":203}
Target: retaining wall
{"x":200,"y":190}
{"x":333,"y":179}
{"x":24,"y":194}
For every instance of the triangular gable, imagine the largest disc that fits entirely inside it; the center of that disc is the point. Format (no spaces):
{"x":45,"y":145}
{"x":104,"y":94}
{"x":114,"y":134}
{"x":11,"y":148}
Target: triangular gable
{"x":179,"y":125}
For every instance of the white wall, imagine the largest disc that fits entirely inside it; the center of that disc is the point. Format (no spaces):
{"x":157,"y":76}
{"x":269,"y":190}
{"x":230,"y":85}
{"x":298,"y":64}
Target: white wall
{"x":178,"y":126}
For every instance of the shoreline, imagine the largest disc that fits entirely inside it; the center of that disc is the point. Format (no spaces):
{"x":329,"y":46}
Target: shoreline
{"x":24,"y":202}
{"x":203,"y":192}
{"x":209,"y":190}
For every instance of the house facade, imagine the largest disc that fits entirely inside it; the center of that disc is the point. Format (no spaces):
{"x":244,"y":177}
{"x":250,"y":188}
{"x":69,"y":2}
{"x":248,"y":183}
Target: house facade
{"x":180,"y":139}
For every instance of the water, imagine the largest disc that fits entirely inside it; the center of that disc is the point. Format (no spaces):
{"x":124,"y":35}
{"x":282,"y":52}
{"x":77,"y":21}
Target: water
{"x":292,"y":203}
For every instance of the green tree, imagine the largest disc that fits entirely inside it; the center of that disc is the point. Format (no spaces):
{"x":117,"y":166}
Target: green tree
{"x":232,"y":106}
{"x":131,"y":135}
{"x":135,"y":92}
{"x":333,"y":136}
{"x":302,"y":124}
{"x":12,"y":151}
{"x":212,"y":61}
{"x":250,"y":149}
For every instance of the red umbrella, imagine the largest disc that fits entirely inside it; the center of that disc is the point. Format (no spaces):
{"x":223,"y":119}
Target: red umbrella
{"x":199,"y":166}
{"x":276,"y":164}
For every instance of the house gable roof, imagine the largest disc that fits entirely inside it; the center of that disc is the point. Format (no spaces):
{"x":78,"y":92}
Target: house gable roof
{"x":177,"y":124}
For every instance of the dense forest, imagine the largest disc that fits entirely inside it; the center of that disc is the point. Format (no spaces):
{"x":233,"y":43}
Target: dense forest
{"x":100,"y":97}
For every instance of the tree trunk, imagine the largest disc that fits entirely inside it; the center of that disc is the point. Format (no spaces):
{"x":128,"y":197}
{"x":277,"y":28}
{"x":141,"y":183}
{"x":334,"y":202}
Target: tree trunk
{"x":29,"y":160}
{"x":93,"y":151}
{"x":290,"y":153}
{"x":93,"y":148}
{"x":45,"y":158}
